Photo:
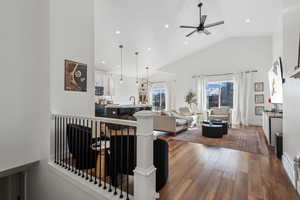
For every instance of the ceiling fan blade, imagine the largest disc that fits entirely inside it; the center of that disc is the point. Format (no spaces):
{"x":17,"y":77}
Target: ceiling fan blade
{"x":191,"y":33}
{"x":188,"y":27}
{"x":203,"y":19}
{"x":206,"y":32}
{"x":214,"y":24}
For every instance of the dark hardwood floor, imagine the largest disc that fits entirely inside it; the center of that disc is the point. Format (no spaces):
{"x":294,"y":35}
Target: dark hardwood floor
{"x":199,"y":172}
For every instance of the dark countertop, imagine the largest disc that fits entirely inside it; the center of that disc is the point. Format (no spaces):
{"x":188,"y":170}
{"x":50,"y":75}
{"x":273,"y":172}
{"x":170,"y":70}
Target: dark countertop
{"x":127,"y":106}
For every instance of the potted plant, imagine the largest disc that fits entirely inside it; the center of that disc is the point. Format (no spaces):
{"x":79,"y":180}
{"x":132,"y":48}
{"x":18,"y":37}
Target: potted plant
{"x":191,"y":98}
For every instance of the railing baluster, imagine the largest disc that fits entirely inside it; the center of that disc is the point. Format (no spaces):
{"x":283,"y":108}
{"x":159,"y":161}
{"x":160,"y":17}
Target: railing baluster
{"x":68,"y":146}
{"x":65,"y":143}
{"x":96,"y":154}
{"x":115,"y":162}
{"x":60,"y":144}
{"x":100,"y":155}
{"x":82,"y":149}
{"x":121,"y":195}
{"x":127,"y":165}
{"x":62,"y":141}
{"x":75,"y":159}
{"x":55,"y":139}
{"x":91,"y":163}
{"x":72,"y":146}
{"x":87,"y":152}
{"x":105,"y":150}
{"x":79,"y":145}
{"x":110,"y":184}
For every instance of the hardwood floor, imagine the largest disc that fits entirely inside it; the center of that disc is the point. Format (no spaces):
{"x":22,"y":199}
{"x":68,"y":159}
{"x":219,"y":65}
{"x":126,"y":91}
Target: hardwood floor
{"x":199,"y":172}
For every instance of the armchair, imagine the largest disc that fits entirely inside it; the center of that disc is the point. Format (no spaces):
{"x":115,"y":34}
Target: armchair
{"x":121,"y":159}
{"x":79,"y":140}
{"x":185,"y":111}
{"x":220,"y":114}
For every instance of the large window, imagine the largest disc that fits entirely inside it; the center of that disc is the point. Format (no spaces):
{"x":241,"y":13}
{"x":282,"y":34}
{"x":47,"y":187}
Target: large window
{"x":219,"y":94}
{"x":158,"y":99}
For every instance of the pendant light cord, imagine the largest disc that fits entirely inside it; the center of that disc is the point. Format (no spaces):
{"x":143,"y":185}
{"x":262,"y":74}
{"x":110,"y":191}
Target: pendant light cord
{"x":121,"y":49}
{"x":136,"y":63}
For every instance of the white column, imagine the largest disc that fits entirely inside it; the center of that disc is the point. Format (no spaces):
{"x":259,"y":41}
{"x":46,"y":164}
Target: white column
{"x":145,"y":172}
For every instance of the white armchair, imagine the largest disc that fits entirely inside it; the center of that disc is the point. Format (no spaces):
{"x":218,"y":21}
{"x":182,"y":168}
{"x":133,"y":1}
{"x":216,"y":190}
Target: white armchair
{"x":220,"y":113}
{"x":185,"y":111}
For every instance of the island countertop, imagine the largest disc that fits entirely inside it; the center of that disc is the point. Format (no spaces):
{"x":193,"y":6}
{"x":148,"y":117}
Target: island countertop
{"x":127,"y":106}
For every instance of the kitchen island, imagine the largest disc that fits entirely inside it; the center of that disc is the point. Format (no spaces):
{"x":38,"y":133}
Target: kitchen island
{"x":119,"y":111}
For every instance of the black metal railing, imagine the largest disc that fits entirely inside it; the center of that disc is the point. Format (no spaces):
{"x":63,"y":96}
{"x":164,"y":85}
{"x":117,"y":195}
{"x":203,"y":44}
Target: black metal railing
{"x":101,"y":151}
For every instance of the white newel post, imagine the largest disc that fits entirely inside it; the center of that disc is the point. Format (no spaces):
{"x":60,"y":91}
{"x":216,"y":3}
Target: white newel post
{"x":145,"y":172}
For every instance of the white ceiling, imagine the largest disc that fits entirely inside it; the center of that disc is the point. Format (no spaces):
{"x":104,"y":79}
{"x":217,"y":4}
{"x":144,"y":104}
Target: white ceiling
{"x":141,"y":23}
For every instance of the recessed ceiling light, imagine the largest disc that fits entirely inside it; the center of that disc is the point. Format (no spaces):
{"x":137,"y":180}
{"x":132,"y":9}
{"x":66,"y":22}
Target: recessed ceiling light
{"x":103,"y":62}
{"x":248,"y":20}
{"x":166,"y":25}
{"x":149,"y":49}
{"x":118,"y":32}
{"x":185,"y":42}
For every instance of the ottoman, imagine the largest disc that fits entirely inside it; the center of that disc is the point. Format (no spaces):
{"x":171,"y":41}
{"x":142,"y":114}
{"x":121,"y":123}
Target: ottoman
{"x":212,"y":131}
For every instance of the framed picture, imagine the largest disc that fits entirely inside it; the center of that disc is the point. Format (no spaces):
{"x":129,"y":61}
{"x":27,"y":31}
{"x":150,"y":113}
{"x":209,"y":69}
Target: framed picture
{"x":259,"y":86}
{"x":75,"y":76}
{"x":259,"y":110}
{"x":299,"y":52}
{"x":259,"y":99}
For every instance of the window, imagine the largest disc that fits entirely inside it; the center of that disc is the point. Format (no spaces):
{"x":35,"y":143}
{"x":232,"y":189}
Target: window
{"x":158,"y":99}
{"x":219,"y":94}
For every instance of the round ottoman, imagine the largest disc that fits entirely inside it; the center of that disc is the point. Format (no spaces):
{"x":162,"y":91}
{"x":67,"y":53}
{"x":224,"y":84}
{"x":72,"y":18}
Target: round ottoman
{"x":212,"y":131}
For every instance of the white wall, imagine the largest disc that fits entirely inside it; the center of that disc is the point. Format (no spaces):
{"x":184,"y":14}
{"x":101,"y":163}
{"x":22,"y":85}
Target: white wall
{"x":24,"y":82}
{"x":230,"y":55}
{"x":71,"y":37}
{"x":291,"y":94}
{"x":120,"y":92}
{"x":125,"y":90}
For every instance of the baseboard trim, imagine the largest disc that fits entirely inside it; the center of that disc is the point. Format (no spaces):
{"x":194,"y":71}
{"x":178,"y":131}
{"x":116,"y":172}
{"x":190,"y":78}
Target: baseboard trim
{"x":289,"y":169}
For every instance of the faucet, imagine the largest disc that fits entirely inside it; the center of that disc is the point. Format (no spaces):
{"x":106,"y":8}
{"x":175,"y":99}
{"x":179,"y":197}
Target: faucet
{"x":133,"y":99}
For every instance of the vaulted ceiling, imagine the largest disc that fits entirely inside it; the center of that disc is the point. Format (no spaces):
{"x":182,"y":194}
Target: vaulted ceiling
{"x":151,"y":27}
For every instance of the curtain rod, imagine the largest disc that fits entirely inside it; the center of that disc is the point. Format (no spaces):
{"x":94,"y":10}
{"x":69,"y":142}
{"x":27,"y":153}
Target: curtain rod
{"x":156,"y":82}
{"x":248,"y":71}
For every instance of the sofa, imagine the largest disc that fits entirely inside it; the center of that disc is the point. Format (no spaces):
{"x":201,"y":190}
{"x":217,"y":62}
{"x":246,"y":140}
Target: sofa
{"x":170,"y":122}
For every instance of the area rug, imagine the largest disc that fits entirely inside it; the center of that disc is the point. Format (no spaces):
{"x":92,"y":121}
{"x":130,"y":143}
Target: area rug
{"x":243,"y":139}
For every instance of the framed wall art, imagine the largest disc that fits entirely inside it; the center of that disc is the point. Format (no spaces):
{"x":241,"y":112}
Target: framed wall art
{"x":299,"y":53}
{"x":259,"y":99}
{"x":259,"y":86}
{"x":259,"y":110}
{"x":75,"y":76}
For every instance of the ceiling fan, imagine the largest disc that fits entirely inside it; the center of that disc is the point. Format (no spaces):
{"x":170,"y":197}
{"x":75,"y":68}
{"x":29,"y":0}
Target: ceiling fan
{"x":202,"y":28}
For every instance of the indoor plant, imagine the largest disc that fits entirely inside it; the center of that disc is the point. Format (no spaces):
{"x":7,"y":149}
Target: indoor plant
{"x":191,"y":98}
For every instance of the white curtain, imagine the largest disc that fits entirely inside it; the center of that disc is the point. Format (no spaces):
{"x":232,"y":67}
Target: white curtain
{"x":171,"y":95}
{"x":242,"y":98}
{"x":200,"y":89}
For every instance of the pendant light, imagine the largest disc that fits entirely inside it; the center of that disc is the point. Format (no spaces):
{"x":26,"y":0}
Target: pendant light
{"x":121,"y":52}
{"x":136,"y":65}
{"x":147,"y":70}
